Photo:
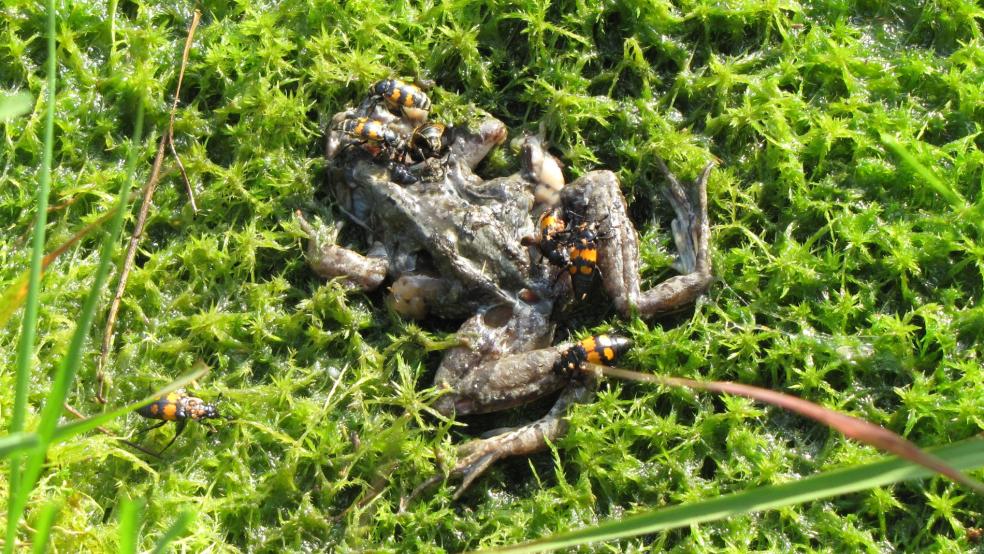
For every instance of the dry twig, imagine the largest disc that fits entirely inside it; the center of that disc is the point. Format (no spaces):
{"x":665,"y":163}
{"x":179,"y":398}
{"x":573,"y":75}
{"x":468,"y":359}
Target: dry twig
{"x":148,"y":193}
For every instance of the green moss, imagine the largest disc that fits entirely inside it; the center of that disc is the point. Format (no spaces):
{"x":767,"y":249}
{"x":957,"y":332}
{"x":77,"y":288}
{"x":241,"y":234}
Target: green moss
{"x":842,"y":276}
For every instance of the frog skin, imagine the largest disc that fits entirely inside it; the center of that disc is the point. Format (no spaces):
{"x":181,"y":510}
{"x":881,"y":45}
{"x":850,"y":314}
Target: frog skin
{"x":454,"y":242}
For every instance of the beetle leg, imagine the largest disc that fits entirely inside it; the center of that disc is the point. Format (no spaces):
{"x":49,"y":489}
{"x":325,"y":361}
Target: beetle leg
{"x":149,"y":428}
{"x":181,"y":427}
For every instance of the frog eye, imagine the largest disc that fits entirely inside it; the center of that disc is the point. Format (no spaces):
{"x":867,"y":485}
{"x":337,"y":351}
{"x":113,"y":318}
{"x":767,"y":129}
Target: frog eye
{"x":498,"y":316}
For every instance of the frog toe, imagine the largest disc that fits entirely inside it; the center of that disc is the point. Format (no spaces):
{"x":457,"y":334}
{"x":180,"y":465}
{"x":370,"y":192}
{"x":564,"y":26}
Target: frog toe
{"x":691,"y":228}
{"x":475,"y":458}
{"x":476,"y":466}
{"x":468,"y":468}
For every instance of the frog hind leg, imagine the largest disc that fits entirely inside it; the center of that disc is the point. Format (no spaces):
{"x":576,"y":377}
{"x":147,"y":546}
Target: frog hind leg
{"x":507,"y":362}
{"x":478,"y":455}
{"x":596,"y":199}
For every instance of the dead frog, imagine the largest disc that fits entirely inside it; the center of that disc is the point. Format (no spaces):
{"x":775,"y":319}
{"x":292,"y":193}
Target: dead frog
{"x":453,"y":245}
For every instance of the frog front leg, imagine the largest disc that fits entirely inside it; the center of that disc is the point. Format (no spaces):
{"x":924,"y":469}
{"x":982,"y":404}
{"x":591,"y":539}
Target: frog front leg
{"x":597,"y":199}
{"x":329,"y":260}
{"x":470,"y":144}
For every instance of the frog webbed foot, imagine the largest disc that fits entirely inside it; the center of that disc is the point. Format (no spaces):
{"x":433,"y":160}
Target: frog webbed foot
{"x":478,"y":455}
{"x":691,"y":234}
{"x":329,"y":260}
{"x":690,"y":227}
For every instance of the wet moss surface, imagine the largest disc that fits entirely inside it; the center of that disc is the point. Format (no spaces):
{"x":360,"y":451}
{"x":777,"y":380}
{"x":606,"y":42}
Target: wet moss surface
{"x":844,"y":275}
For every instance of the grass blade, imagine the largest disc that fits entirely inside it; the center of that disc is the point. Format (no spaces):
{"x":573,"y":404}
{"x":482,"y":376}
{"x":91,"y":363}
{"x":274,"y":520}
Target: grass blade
{"x":69,"y":365}
{"x":16,"y":496}
{"x":130,"y":515}
{"x":15,"y":105}
{"x":42,"y":531}
{"x":963,"y":455}
{"x":174,"y":531}
{"x":17,"y":442}
{"x":15,"y":294}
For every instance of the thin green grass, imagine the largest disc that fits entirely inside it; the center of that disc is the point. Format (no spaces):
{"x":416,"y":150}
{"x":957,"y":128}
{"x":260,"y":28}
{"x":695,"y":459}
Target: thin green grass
{"x":17,"y":442}
{"x":17,"y":493}
{"x":966,"y":455}
{"x":172,"y":533}
{"x":35,"y":445}
{"x":67,"y":368}
{"x":14,"y":105}
{"x":42,"y":531}
{"x":928,"y":176}
{"x":131,"y":512}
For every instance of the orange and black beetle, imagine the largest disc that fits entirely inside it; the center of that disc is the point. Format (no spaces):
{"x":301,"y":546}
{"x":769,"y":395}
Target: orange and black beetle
{"x":583,"y":259}
{"x":596,"y":349}
{"x":369,"y":130}
{"x":178,"y":407}
{"x":571,"y":247}
{"x":402,"y":96}
{"x":429,"y":140}
{"x":554,"y":238}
